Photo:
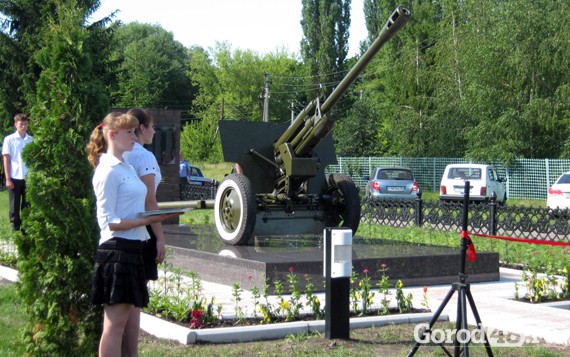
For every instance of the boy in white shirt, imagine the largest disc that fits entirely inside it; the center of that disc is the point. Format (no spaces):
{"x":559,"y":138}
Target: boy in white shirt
{"x":15,"y":169}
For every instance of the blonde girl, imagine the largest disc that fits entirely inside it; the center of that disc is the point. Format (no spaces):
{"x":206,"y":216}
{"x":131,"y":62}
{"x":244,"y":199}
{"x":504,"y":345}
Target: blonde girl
{"x":119,"y":282}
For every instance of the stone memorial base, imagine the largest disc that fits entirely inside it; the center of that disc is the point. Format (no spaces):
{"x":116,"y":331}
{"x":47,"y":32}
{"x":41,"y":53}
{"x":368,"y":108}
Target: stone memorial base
{"x":199,"y":249}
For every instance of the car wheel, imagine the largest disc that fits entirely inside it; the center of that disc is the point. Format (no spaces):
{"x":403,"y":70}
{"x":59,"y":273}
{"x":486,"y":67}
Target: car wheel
{"x":235,"y":210}
{"x":345,"y":210}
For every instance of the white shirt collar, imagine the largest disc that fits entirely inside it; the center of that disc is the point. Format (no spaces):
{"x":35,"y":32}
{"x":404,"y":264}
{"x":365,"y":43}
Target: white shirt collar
{"x":109,"y":160}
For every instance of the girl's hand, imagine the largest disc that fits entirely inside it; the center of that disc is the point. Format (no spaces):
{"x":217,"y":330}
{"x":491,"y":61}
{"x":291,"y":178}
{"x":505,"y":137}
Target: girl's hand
{"x":160,"y":252}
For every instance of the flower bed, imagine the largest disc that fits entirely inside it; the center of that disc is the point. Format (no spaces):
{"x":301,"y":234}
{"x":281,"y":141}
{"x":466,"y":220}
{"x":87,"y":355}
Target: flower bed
{"x":545,"y":277}
{"x":179,"y":298}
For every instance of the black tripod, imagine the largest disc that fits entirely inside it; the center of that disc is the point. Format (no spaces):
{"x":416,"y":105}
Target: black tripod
{"x":464,"y":295}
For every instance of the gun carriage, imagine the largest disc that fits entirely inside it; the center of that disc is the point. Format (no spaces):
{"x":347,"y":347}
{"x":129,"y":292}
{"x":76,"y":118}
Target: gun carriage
{"x":283,"y":189}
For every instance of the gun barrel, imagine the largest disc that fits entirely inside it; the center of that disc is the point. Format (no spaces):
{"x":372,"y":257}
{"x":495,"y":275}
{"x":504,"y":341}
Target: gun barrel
{"x":317,"y":128}
{"x":307,"y":130}
{"x":299,"y":120}
{"x":399,"y":18}
{"x":196,"y":204}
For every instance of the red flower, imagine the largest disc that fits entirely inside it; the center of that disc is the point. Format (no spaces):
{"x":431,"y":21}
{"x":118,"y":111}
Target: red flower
{"x":291,"y":269}
{"x":382,"y":265}
{"x":425,"y":289}
{"x":533,"y":253}
{"x":250,"y":277}
{"x":196,"y":321}
{"x":365,"y":271}
{"x":196,"y":314}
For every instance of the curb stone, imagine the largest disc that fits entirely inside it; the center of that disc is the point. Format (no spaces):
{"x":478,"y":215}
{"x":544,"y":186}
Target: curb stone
{"x":171,"y":331}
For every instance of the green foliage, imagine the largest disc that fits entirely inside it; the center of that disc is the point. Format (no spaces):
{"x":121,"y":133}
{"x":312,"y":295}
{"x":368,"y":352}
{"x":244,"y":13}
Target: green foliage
{"x":229,"y":86}
{"x":324,"y":45}
{"x":57,"y":250}
{"x":18,"y":40}
{"x":359,"y":134}
{"x":403,"y":301}
{"x":199,"y":141}
{"x":471,"y":79}
{"x":151,"y":68}
{"x":519,"y":75}
{"x":230,"y":83}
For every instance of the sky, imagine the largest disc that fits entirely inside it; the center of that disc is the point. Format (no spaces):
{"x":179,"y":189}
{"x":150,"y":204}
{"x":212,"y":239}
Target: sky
{"x":262,"y":26}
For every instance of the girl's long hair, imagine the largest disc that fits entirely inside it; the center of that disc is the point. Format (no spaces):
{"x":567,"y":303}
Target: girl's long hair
{"x":143,"y":116}
{"x":98,"y":140}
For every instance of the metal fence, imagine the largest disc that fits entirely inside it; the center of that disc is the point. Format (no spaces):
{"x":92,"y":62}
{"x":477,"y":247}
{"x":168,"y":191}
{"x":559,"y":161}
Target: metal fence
{"x":526,"y":178}
{"x":198,"y":192}
{"x":485,"y":218}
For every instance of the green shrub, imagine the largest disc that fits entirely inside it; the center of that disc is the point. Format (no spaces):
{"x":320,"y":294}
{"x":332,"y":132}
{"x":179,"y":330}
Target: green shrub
{"x":56,"y":252}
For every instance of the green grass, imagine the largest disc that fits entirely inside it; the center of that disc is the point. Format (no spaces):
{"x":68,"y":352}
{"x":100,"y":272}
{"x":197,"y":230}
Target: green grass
{"x":4,"y":212}
{"x":12,"y":319}
{"x":215,"y":171}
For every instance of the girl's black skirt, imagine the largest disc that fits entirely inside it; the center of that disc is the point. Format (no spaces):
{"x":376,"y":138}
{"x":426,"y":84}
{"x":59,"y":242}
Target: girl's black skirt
{"x":119,"y":274}
{"x":149,"y":255}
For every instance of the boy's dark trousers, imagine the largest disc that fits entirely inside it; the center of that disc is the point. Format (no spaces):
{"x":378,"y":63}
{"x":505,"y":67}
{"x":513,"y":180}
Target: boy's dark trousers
{"x":17,"y":197}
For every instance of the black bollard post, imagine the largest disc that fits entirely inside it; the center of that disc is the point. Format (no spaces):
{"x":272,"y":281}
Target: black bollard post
{"x":337,"y":272}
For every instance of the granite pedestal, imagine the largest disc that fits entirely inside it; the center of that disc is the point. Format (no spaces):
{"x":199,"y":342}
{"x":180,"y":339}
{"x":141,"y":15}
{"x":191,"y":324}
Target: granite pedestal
{"x":199,"y":249}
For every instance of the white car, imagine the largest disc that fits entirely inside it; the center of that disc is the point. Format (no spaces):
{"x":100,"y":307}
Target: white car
{"x":559,"y":193}
{"x":484,"y":182}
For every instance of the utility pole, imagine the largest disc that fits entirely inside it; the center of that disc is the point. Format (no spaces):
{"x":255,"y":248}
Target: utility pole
{"x":266,"y":98}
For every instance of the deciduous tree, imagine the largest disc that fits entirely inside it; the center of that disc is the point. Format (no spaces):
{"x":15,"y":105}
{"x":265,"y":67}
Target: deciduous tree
{"x":151,"y":69}
{"x":230,"y":85}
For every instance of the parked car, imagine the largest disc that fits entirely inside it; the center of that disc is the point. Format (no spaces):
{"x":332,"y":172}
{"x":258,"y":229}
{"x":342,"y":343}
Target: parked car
{"x":484,"y":182}
{"x":559,"y":193}
{"x":392,"y":183}
{"x":197,"y":177}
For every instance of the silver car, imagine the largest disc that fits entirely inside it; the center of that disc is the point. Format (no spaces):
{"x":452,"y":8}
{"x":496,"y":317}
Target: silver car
{"x":392,"y":183}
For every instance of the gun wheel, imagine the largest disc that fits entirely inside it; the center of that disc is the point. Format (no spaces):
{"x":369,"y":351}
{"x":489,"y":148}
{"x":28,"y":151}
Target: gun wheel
{"x":235,"y":209}
{"x":346,"y":211}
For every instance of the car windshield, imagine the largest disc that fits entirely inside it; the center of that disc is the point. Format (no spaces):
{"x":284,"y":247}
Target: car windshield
{"x":564,"y":179}
{"x":464,"y":173}
{"x":194,"y":171}
{"x":394,"y":174}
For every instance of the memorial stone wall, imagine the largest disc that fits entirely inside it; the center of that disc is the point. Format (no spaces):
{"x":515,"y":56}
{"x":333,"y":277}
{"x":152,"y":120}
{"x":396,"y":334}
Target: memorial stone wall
{"x":166,"y":149}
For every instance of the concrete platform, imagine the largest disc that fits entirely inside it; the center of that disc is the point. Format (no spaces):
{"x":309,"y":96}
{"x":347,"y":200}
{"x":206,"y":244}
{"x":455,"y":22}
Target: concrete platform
{"x":199,"y":249}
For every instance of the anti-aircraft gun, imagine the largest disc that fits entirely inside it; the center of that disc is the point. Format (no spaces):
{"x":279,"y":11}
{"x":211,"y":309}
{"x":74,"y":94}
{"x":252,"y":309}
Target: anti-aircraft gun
{"x":283,"y":189}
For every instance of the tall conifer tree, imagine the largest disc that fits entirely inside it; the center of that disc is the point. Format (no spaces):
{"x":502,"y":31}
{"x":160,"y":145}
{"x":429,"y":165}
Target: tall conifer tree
{"x":56,"y":253}
{"x":324,"y":46}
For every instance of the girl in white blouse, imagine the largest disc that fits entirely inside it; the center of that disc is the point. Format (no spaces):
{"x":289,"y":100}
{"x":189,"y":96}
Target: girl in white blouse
{"x":148,"y":170}
{"x":119,"y":281}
